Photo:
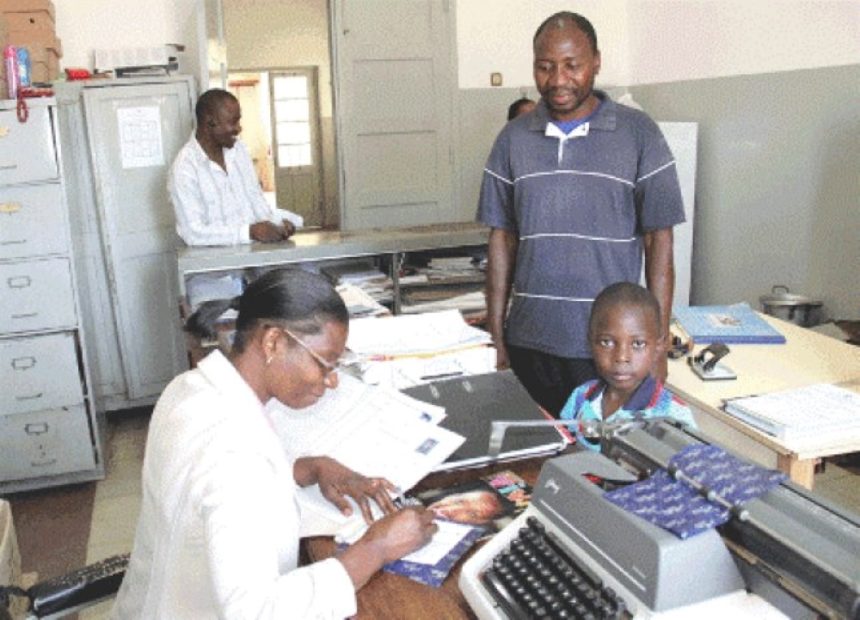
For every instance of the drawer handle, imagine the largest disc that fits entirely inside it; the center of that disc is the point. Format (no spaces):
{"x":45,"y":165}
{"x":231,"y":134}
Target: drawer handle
{"x":19,"y":281}
{"x":23,"y":363}
{"x":10,"y":207}
{"x":9,"y":167}
{"x":31,"y":397}
{"x":29,"y":315}
{"x":36,"y":428}
{"x":16,"y":242}
{"x":47,"y":463}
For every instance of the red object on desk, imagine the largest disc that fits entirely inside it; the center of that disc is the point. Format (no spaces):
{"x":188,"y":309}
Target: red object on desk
{"x":78,"y":74}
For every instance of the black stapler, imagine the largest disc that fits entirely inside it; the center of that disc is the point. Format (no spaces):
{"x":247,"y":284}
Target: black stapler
{"x":706,"y":364}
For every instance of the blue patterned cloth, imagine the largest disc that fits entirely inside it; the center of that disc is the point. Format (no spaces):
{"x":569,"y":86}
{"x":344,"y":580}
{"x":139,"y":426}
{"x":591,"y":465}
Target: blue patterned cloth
{"x":678,"y":507}
{"x":650,"y":400}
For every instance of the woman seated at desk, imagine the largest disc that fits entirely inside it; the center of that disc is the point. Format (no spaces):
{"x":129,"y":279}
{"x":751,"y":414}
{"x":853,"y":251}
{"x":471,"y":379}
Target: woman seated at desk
{"x":218,"y":534}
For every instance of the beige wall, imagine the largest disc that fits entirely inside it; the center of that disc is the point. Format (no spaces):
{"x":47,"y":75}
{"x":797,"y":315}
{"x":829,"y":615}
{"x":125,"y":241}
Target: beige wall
{"x":653,"y":41}
{"x":643,"y":41}
{"x":496,"y":35}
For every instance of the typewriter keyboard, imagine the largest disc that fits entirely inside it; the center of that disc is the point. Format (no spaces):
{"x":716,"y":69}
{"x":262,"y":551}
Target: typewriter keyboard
{"x":534,"y":577}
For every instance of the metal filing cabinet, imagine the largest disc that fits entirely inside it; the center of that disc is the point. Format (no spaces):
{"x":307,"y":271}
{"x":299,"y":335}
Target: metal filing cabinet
{"x":50,"y":433}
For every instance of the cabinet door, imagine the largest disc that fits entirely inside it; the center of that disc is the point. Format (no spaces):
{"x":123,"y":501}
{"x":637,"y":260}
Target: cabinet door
{"x":134,"y":133}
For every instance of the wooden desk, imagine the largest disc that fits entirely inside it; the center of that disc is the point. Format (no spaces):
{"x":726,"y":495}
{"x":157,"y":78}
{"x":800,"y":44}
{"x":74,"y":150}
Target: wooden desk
{"x":805,"y":359}
{"x":395,"y":597}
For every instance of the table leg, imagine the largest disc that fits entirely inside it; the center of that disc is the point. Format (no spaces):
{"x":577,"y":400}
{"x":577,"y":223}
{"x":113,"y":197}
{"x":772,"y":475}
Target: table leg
{"x":800,"y":471}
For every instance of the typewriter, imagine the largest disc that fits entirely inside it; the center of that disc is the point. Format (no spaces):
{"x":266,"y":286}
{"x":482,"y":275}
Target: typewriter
{"x":572,"y":554}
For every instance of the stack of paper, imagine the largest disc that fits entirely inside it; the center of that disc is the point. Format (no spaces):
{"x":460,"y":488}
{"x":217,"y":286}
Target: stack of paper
{"x":426,"y":334}
{"x":408,"y":350}
{"x":800,"y":413}
{"x":374,"y":431}
{"x":364,"y":275}
{"x":359,"y":303}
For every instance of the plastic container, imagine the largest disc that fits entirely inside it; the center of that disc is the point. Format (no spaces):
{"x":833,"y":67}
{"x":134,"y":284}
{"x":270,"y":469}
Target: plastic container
{"x":10,"y":60}
{"x":24,"y":75}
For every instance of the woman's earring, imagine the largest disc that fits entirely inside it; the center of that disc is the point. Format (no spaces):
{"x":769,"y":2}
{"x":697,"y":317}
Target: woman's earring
{"x":268,"y":360}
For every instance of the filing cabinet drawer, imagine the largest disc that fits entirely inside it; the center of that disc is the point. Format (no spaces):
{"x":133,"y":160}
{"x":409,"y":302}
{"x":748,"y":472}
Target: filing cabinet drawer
{"x":32,"y":221}
{"x":45,"y":443}
{"x":38,"y":373}
{"x":27,"y":149}
{"x":36,"y":295}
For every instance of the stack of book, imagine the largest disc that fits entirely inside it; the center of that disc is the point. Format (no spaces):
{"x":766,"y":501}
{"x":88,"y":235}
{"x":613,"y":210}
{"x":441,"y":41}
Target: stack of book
{"x":808,"y":412}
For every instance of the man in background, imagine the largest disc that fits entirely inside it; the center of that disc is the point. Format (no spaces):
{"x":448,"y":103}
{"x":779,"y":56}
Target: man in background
{"x":574,"y":193}
{"x":521,"y":106}
{"x":215,"y":192}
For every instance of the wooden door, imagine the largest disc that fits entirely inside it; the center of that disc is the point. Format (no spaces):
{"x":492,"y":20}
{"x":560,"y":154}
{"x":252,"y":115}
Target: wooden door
{"x":395,"y":86}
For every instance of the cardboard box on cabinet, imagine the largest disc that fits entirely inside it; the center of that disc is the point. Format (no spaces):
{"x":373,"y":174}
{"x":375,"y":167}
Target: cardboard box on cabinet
{"x":29,"y":13}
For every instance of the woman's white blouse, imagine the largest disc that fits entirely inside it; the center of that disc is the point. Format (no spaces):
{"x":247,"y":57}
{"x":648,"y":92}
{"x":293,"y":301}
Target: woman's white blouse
{"x":218,"y":533}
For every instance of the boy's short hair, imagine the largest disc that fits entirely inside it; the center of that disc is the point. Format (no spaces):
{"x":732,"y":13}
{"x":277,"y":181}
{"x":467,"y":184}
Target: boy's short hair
{"x":624,"y":293}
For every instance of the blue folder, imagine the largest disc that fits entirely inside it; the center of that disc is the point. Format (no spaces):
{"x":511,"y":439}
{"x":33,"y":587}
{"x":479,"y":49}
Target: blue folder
{"x":736,"y":323}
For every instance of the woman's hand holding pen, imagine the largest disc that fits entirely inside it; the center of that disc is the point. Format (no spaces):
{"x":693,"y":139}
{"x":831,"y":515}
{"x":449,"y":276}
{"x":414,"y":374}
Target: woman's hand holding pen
{"x":388,"y":539}
{"x":337,"y":481}
{"x":399,"y":534}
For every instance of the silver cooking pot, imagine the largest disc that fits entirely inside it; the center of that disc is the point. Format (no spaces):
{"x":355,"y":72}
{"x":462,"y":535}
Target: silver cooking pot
{"x":798,"y":309}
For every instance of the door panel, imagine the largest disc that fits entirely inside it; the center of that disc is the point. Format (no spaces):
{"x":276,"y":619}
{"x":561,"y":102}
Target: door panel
{"x":138,"y":228}
{"x":395,"y":92}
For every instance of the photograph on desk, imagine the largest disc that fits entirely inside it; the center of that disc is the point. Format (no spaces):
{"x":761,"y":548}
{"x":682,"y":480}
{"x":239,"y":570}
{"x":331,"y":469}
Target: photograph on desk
{"x":491,"y":502}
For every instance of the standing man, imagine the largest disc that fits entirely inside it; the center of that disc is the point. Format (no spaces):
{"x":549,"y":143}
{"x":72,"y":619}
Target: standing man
{"x":213,"y":186}
{"x":574,"y":193}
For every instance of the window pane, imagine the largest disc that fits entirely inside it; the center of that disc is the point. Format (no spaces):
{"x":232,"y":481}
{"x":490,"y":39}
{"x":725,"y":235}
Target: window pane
{"x":292,"y":110}
{"x":290,"y":156}
{"x":294,"y":133}
{"x":291,"y":87}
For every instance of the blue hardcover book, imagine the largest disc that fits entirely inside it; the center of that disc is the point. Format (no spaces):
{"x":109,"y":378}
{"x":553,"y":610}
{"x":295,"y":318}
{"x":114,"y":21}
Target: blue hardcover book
{"x":736,"y":323}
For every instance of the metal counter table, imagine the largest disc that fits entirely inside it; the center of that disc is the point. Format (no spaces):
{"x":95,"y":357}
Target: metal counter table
{"x":313,"y":246}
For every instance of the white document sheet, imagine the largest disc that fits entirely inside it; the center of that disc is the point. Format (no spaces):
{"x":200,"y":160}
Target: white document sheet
{"x":417,"y":334}
{"x":372,"y":430}
{"x":407,"y":372}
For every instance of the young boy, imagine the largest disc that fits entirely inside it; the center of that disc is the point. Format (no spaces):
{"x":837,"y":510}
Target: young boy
{"x":624,"y":333}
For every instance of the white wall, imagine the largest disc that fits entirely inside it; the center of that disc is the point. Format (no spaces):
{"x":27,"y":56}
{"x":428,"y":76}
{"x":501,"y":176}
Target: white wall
{"x":496,"y":35}
{"x":642,"y":41}
{"x":84,"y":25}
{"x":653,"y":41}
{"x":695,"y":39}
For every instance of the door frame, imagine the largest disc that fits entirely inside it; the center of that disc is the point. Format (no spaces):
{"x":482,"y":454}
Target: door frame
{"x":316,"y":130}
{"x":312,"y":72}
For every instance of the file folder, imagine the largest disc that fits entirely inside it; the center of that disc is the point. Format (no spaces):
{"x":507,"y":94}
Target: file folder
{"x":473,"y":402}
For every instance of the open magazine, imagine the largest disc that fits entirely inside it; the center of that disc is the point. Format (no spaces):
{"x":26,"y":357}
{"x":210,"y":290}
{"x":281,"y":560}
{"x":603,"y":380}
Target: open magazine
{"x":468,"y":512}
{"x":490,"y":502}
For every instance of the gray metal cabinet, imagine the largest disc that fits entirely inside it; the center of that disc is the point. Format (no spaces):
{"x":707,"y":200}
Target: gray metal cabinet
{"x":49,"y":430}
{"x":125,"y":135}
